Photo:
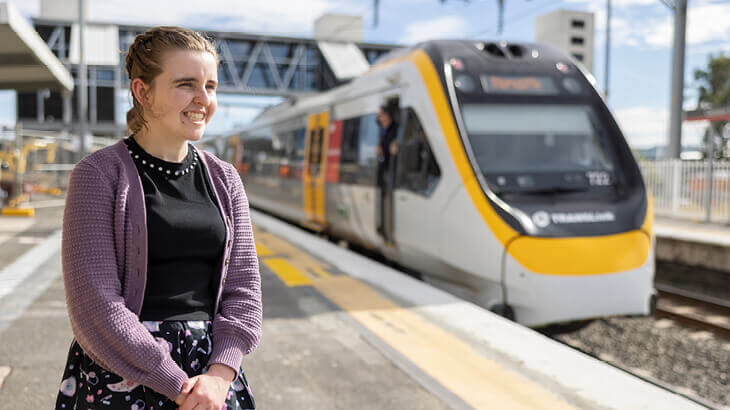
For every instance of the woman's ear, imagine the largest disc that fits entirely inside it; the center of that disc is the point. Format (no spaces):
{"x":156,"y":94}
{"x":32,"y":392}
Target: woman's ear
{"x":140,"y":91}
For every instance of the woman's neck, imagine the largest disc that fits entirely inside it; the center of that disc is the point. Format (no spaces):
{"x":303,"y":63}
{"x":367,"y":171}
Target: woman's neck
{"x":164,"y":149}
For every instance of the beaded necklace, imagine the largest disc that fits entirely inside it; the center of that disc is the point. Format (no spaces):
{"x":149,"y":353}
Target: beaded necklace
{"x":168,"y":169}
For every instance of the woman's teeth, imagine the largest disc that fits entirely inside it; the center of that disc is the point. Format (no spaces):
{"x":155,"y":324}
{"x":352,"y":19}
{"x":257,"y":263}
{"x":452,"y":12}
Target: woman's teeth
{"x":195,"y":116}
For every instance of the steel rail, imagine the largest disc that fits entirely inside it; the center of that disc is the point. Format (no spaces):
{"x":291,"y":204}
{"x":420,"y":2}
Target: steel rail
{"x":707,"y":304}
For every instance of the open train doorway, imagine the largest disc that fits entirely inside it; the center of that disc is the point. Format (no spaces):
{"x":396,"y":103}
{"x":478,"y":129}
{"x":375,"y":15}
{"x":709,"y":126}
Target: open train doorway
{"x":387,"y":153}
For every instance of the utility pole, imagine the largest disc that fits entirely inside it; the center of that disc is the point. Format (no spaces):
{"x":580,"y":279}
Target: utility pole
{"x":81,"y":91}
{"x":675,"y":115}
{"x":608,"y":49}
{"x":376,"y":11}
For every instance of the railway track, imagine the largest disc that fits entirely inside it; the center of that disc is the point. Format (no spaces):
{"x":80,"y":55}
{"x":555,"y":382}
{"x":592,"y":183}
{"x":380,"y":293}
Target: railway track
{"x":689,"y":308}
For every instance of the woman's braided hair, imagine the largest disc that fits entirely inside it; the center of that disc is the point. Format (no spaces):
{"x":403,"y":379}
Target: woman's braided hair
{"x":144,"y":60}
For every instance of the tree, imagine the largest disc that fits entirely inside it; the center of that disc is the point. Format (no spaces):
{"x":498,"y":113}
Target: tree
{"x":714,"y":88}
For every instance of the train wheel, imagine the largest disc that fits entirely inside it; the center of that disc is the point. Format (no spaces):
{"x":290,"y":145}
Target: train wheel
{"x":561,"y":328}
{"x":503,"y":310}
{"x":652,"y":304}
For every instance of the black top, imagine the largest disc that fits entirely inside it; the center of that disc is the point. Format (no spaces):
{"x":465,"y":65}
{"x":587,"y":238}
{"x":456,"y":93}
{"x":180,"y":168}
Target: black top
{"x":387,"y":135}
{"x":185,"y":237}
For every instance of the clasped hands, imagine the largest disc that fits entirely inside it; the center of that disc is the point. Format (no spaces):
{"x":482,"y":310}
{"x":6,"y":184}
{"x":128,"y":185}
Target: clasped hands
{"x":207,"y":391}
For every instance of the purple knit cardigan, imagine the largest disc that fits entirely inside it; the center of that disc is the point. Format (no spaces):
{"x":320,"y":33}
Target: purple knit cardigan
{"x":104,"y":259}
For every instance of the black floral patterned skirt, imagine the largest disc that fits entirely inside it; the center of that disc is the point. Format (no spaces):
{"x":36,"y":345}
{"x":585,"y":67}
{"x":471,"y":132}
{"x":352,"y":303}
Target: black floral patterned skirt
{"x":86,"y":385}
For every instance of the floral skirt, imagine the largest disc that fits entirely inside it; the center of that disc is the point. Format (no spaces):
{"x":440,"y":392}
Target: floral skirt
{"x":86,"y":385}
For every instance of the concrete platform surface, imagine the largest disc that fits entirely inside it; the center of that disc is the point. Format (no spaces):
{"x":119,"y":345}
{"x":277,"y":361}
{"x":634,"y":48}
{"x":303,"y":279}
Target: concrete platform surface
{"x":693,"y":244}
{"x":704,"y":233}
{"x":340,"y":332}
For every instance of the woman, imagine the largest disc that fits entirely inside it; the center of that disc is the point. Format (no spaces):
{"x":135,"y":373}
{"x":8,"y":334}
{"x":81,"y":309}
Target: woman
{"x":159,"y":264}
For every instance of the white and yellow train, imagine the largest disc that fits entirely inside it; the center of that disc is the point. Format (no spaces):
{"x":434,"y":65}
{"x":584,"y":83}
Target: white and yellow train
{"x":513,"y":186}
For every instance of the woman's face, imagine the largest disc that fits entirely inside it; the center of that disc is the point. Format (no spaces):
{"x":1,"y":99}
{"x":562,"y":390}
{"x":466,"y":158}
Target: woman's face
{"x":383,"y":118}
{"x":182,"y":99}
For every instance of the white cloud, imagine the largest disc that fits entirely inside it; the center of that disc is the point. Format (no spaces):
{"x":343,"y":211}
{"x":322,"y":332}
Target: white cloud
{"x":648,"y":23}
{"x":643,"y":126}
{"x":649,"y":126}
{"x":441,"y":27}
{"x":294,"y":17}
{"x":601,"y":4}
{"x":287,"y":17}
{"x":708,"y":22}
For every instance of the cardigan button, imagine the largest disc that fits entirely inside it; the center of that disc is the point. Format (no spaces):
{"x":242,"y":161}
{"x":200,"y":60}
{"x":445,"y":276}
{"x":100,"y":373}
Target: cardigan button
{"x":229,"y":243}
{"x":226,"y":261}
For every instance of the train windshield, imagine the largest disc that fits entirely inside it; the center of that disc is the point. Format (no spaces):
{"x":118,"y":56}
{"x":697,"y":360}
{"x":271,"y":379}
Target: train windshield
{"x":533,"y":147}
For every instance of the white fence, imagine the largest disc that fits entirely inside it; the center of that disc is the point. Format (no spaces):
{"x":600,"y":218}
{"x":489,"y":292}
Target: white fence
{"x":698,"y":190}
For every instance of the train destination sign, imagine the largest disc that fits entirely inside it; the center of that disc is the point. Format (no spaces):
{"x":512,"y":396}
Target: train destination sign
{"x":495,"y":84}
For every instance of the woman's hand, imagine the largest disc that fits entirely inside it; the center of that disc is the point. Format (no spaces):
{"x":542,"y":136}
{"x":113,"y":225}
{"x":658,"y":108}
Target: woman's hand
{"x":393,"y":148}
{"x":186,"y":388}
{"x":209,"y":390}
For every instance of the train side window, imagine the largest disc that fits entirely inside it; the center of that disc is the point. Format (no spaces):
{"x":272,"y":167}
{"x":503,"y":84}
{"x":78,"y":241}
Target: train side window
{"x":417,"y":169}
{"x":278,"y":145}
{"x":260,"y":149}
{"x":369,"y":135}
{"x":313,"y":147}
{"x":350,"y":143}
{"x":349,"y":150}
{"x":367,"y":157}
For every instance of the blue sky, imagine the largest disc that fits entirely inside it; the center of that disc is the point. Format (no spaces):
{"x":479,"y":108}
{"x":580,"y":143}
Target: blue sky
{"x":641,"y":40}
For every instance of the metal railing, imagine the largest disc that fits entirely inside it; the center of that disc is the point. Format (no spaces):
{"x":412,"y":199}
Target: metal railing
{"x":697,"y":190}
{"x":33,"y":162}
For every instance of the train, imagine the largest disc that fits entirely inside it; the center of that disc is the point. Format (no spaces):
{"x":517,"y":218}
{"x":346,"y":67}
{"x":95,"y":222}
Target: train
{"x":512,"y":185}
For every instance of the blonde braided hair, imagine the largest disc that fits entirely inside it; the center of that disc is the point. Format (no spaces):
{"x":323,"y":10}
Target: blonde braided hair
{"x":144,"y":61}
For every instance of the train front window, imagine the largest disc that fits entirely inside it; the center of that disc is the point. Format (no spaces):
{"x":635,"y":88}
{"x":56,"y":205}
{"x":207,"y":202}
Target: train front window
{"x":527,"y":147}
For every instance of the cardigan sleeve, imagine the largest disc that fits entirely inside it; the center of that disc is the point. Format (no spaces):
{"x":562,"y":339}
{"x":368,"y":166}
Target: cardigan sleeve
{"x":104,"y":327}
{"x":237,"y":324}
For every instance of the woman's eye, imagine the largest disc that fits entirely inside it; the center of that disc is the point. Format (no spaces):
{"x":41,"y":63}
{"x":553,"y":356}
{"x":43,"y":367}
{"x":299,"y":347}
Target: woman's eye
{"x":185,"y":84}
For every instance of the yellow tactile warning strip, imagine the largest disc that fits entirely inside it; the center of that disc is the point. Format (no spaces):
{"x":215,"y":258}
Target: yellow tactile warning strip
{"x":262,"y":250}
{"x":287,"y":272}
{"x":293,"y":266}
{"x":478,"y":381}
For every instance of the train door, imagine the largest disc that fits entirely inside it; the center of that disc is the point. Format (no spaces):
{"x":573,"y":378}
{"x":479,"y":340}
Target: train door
{"x":314,"y":173}
{"x":386,"y":170}
{"x":417,"y":174}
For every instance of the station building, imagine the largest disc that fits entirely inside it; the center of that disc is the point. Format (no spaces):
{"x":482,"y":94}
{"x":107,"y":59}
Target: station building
{"x":251,"y":64}
{"x":569,"y":30}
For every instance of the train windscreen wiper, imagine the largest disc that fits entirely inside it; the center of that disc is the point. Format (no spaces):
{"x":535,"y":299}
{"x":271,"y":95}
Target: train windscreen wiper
{"x":555,"y":190}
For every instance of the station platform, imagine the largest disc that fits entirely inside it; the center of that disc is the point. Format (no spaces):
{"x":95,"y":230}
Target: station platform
{"x":693,"y":244}
{"x":340,"y":332}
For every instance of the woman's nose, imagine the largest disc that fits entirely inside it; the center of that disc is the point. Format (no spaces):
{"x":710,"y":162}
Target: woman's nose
{"x":202,"y":98}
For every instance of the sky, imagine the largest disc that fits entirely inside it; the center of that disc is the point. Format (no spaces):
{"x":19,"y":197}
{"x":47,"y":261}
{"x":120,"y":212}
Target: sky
{"x":641,"y":41}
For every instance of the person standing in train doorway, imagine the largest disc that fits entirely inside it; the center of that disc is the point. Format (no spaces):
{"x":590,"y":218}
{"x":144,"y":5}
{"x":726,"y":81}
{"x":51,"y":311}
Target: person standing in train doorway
{"x":159,"y":264}
{"x":386,"y":150}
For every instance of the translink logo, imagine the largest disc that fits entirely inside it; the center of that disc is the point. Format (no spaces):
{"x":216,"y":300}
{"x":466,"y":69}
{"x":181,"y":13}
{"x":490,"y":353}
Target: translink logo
{"x":542,"y":219}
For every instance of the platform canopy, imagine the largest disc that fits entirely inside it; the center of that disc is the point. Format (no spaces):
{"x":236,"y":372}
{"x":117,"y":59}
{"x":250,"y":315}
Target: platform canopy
{"x":26,"y":62}
{"x":346,"y":60}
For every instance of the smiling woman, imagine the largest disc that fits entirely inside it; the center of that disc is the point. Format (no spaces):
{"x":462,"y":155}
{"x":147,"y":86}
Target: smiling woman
{"x":174,"y":75}
{"x":159,"y":262}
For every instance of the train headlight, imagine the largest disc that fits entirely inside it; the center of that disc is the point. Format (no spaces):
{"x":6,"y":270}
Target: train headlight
{"x":464,"y":83}
{"x":456,"y":64}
